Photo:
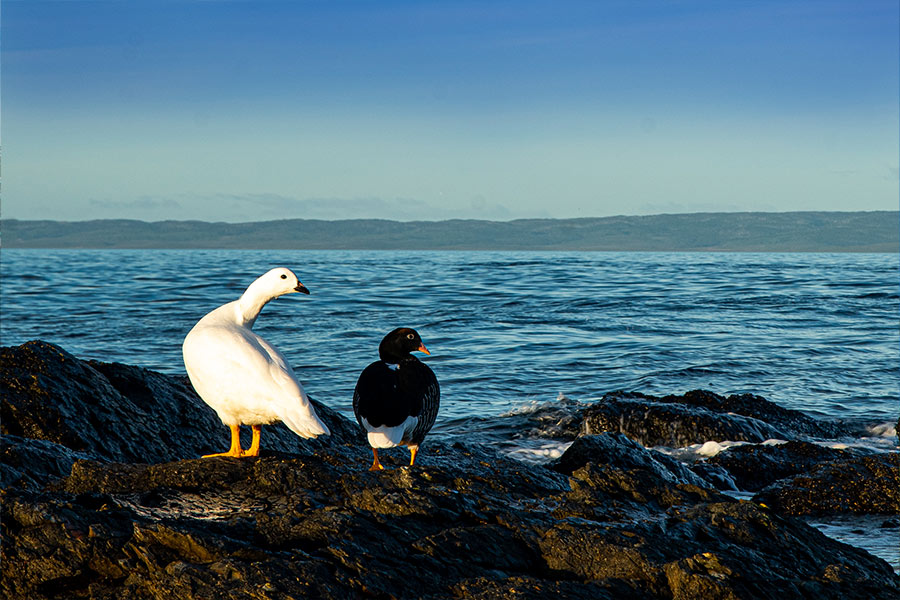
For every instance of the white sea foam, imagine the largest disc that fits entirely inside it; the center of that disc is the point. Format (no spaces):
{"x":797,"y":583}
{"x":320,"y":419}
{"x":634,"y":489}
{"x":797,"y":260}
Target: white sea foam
{"x":527,"y":408}
{"x":881,"y":437}
{"x":883,"y":430}
{"x":708,"y":449}
{"x":774,"y":442}
{"x":532,"y":406}
{"x":539,"y":454}
{"x":867,"y":444}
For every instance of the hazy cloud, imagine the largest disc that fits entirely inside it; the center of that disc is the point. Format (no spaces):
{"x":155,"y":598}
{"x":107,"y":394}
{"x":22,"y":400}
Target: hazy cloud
{"x":131,"y":208}
{"x":265,"y":207}
{"x":659,"y":208}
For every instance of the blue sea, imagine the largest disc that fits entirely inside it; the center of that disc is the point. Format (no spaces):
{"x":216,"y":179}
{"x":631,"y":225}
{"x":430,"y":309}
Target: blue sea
{"x":510,"y":333}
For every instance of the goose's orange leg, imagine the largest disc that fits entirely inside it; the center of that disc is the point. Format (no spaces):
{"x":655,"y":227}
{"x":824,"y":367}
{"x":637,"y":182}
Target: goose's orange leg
{"x":253,"y":450}
{"x":235,"y":449}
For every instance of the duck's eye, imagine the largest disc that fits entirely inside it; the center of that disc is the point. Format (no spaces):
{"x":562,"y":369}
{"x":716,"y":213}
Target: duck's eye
{"x":283,"y":276}
{"x":410,"y":336}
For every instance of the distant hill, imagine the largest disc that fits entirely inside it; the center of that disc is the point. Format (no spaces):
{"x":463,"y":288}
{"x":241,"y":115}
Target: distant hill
{"x":877,"y":231}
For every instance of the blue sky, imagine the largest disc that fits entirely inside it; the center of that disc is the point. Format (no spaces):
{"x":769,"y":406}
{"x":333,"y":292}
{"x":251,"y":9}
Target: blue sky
{"x":246,"y":111}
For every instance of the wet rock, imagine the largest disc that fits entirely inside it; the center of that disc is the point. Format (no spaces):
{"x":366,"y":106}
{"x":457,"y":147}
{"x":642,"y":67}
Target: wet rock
{"x":313,"y":526}
{"x":29,"y":463}
{"x":617,"y":450}
{"x":612,"y":520}
{"x":856,"y":485}
{"x":794,"y":422}
{"x":753,"y":467}
{"x":703,"y":551}
{"x":715,"y":475}
{"x":700,"y":416}
{"x":653,"y":422}
{"x":607,"y":493}
{"x":532,"y":588}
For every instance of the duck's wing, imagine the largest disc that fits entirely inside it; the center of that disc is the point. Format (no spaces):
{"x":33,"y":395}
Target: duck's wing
{"x":376,"y":397}
{"x":381,"y":408}
{"x":424,"y":391}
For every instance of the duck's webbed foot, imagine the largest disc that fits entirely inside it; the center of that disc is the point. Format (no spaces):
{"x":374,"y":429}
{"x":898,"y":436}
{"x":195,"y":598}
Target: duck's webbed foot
{"x":376,"y":466}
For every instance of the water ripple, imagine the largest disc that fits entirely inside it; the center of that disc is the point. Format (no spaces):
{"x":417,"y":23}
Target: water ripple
{"x":816,"y":332}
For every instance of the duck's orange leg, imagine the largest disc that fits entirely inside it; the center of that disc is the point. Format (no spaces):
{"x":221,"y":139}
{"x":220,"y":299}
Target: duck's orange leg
{"x":413,"y":450}
{"x":253,"y":450}
{"x":376,"y":466}
{"x":235,"y":449}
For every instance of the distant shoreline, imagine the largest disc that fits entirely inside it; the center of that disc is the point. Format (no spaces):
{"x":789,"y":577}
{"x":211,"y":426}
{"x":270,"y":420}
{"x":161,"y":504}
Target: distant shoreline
{"x":870,"y":231}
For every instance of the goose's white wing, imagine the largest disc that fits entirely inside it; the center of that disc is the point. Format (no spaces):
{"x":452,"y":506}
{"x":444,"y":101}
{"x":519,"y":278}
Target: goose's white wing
{"x":246,"y":380}
{"x":292,"y":404}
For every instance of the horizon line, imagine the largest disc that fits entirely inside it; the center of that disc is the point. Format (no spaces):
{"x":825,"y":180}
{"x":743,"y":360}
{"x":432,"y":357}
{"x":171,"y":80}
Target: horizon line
{"x":619,"y":216}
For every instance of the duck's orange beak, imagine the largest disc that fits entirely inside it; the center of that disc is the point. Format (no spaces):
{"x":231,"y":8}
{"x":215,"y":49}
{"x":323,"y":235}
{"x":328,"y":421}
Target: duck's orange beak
{"x":422,"y":348}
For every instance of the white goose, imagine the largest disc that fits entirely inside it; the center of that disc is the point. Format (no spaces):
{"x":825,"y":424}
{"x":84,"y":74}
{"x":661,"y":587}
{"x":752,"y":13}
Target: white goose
{"x":240,"y":375}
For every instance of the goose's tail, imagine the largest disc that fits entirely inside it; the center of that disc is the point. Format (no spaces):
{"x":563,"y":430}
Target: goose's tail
{"x":301,"y":418}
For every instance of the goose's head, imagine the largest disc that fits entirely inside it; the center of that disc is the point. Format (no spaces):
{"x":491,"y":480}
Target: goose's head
{"x":278,"y":282}
{"x":399,"y":343}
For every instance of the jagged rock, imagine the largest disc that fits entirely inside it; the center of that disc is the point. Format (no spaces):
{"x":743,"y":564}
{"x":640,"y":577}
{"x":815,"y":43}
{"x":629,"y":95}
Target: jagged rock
{"x":607,"y":493}
{"x":794,"y":422}
{"x":617,"y":450}
{"x":611,"y":475}
{"x":858,"y":484}
{"x":619,"y":521}
{"x":653,"y":422}
{"x":715,"y":475}
{"x":32,"y":463}
{"x":458,"y":525}
{"x":532,"y":588}
{"x":700,"y":416}
{"x":704,"y":551}
{"x":753,"y":467}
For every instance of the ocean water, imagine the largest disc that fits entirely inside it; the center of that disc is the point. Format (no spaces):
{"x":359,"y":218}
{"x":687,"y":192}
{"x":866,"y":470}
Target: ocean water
{"x":517,"y":338}
{"x":814,"y":332}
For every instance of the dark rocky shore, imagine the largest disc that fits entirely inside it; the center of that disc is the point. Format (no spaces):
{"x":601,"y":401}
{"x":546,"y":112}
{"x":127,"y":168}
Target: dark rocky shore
{"x":103,"y":497}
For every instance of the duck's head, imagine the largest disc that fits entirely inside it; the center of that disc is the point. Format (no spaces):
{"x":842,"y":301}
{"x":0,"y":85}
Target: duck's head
{"x":399,"y":343}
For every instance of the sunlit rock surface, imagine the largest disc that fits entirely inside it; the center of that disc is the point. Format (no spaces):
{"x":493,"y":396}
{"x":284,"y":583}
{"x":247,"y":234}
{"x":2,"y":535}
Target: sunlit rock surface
{"x":104,"y":497}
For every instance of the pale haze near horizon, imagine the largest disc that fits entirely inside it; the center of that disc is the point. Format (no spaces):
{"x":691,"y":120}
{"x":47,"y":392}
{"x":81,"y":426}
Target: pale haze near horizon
{"x":249,"y":111}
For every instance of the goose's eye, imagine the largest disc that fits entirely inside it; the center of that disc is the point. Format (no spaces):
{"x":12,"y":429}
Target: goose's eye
{"x":283,"y":276}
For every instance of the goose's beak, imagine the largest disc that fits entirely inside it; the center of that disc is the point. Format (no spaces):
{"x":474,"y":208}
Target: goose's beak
{"x":422,"y":348}
{"x":301,"y":288}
